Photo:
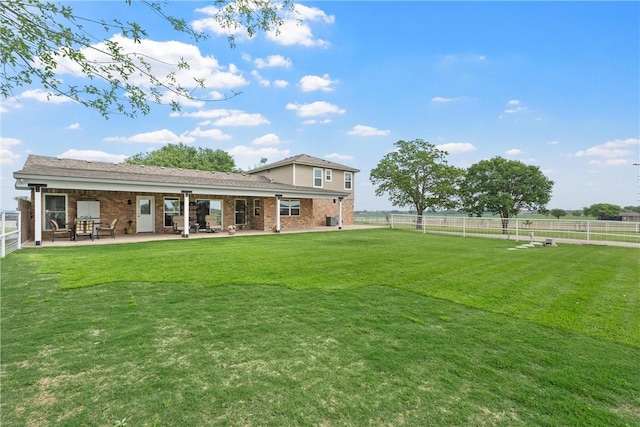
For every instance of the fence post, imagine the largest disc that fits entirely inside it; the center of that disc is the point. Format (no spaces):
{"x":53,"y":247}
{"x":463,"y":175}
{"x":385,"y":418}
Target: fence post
{"x":19,"y":224}
{"x":517,"y":230}
{"x":588,"y":222}
{"x":4,"y":237}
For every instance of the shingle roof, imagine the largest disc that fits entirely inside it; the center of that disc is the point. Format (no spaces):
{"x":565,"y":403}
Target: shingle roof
{"x":52,"y":167}
{"x":304,"y":159}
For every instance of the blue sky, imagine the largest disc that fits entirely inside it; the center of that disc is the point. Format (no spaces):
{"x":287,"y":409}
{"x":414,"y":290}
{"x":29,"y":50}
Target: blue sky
{"x":553,"y":84}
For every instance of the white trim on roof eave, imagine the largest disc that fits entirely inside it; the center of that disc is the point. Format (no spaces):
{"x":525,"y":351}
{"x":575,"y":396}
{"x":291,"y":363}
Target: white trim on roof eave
{"x":151,"y":187}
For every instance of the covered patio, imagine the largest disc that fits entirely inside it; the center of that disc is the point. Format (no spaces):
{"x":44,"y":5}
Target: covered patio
{"x":152,"y":237}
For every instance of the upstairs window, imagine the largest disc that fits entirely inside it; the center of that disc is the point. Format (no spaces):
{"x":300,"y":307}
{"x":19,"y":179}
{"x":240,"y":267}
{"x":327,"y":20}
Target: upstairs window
{"x":317,"y":177}
{"x":348,"y":180}
{"x":328,"y":175}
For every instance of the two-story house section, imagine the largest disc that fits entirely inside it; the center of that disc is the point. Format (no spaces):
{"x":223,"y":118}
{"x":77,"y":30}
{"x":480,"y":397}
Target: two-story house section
{"x":308,"y":171}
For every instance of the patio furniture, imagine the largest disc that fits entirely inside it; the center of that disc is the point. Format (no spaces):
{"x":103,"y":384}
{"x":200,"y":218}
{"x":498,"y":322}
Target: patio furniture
{"x":178,"y":223}
{"x":111,"y":229}
{"x":84,"y":227}
{"x":57,"y":231}
{"x":211,"y":223}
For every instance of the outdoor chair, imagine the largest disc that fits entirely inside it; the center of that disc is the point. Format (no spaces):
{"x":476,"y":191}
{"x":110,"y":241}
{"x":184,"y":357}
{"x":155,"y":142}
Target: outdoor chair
{"x":57,"y":231}
{"x":111,"y":229}
{"x":212,"y":225}
{"x":178,"y":223}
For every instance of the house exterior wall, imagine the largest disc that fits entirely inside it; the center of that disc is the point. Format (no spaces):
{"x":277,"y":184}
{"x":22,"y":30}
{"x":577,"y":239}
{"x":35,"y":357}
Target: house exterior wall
{"x":283,"y":174}
{"x":313,"y":212}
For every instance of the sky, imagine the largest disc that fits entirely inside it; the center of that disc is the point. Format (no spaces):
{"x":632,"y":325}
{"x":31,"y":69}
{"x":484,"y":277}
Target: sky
{"x":550,"y":84}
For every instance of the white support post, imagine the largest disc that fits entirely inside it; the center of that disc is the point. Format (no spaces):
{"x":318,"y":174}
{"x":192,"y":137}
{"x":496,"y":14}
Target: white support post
{"x":340,"y":213}
{"x":278,"y":196}
{"x":37,"y":213}
{"x":186,"y":213}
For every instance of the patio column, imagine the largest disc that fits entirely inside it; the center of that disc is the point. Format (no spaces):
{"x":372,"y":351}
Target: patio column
{"x":340,"y":212}
{"x":186,"y":212}
{"x":278,"y":197}
{"x":37,"y":208}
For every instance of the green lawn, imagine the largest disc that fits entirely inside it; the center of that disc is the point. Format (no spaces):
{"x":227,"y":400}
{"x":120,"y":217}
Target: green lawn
{"x":375,"y":327}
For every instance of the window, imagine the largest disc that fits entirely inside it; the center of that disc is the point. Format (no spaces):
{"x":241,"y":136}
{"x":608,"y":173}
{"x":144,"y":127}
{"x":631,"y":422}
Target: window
{"x":290,"y":207}
{"x":55,"y":207}
{"x":317,"y":177}
{"x":348,"y":180}
{"x":171,"y":208}
{"x":256,"y":207}
{"x":328,"y":173}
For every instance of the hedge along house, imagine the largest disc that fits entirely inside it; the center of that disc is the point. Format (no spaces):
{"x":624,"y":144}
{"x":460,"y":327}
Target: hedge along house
{"x":300,"y":192}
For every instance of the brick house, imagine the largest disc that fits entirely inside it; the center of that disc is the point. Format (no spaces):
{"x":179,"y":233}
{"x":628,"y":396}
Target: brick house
{"x":299,"y":192}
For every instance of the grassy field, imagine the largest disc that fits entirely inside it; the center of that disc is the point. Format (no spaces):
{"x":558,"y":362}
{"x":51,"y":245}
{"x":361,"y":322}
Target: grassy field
{"x":374,"y":327}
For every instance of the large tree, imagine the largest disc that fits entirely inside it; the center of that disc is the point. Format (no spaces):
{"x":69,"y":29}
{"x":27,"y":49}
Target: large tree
{"x":39,"y":39}
{"x":186,"y":157}
{"x":602,"y":210}
{"x":416,"y":174}
{"x":504,"y":187}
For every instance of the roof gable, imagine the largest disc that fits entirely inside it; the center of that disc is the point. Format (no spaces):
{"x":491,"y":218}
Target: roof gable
{"x":304,"y":159}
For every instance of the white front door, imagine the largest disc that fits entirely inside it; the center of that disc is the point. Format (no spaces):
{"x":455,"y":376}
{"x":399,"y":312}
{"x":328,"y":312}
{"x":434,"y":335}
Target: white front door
{"x":145,"y":214}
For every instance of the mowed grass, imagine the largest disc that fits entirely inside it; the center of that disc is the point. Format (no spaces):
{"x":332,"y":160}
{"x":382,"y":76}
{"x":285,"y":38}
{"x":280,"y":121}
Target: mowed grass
{"x":375,"y":327}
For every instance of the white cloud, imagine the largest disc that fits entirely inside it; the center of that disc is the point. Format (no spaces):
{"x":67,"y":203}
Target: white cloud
{"x":261,"y":80}
{"x":362,"y":130}
{"x":312,"y":83}
{"x":281,"y":83}
{"x":553,"y":143}
{"x":514,"y":152}
{"x":7,"y":156}
{"x":615,"y":152}
{"x":513,"y":102}
{"x":163,"y":58}
{"x":441,"y":99}
{"x":224,"y":117}
{"x":44,"y":96}
{"x":268,"y":139}
{"x":93,"y":155}
{"x":340,"y":157}
{"x":213,"y":134}
{"x":456,"y":147}
{"x":163,"y":136}
{"x":318,"y":108}
{"x":211,"y":24}
{"x":74,"y":126}
{"x":272,"y":61}
{"x":316,"y":122}
{"x":241,"y":119}
{"x":295,"y":29}
{"x":249,"y":157}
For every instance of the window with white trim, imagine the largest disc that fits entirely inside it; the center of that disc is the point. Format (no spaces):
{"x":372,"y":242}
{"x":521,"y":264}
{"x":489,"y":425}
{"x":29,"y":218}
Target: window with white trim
{"x":55,"y":207}
{"x":317,"y":177}
{"x":328,"y":175}
{"x":171,"y":208}
{"x":256,"y":207}
{"x":348,"y":180}
{"x":289,"y":207}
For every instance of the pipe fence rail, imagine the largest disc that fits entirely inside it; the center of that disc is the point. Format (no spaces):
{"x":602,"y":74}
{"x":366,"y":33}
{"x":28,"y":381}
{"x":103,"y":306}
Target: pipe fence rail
{"x":519,"y":229}
{"x":10,"y":234}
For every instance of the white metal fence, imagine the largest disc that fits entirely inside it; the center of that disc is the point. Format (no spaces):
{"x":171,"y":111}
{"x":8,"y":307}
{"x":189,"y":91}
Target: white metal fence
{"x":566,"y":230}
{"x":10,"y":235}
